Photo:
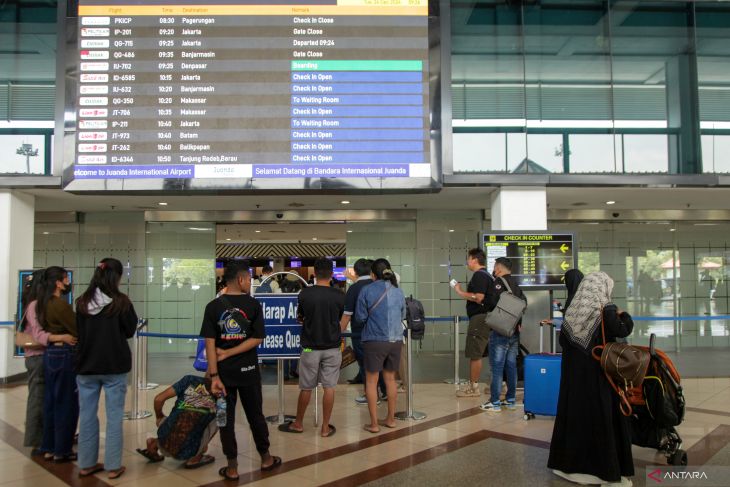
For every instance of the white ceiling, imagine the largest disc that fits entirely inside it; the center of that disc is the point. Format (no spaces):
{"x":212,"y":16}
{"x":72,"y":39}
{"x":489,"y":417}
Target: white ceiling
{"x":477,"y":198}
{"x":447,"y":199}
{"x":282,"y":232}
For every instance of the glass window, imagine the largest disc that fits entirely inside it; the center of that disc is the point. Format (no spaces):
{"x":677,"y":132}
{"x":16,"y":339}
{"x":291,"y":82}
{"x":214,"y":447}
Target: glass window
{"x":24,"y":154}
{"x":646,"y":153}
{"x":713,"y":60}
{"x":591,"y":153}
{"x":546,"y":153}
{"x":479,"y":152}
{"x":516,"y":151}
{"x":716,"y":153}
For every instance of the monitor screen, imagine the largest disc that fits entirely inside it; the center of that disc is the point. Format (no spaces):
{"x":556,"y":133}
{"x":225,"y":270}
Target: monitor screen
{"x":538,"y":260}
{"x":197,"y":94}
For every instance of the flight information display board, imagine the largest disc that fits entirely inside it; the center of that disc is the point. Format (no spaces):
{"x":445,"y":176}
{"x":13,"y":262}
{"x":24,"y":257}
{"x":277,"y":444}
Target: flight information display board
{"x":539,"y":260}
{"x":236,"y":90}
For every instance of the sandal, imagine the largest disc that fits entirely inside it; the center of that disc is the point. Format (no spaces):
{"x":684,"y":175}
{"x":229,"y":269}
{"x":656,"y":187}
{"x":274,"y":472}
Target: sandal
{"x":332,"y":431}
{"x":115,"y":474}
{"x":286,"y":428}
{"x":223,"y":472}
{"x":274,"y":464}
{"x":88,"y":472}
{"x":204,"y":460}
{"x":152,"y":457}
{"x":71,"y":457}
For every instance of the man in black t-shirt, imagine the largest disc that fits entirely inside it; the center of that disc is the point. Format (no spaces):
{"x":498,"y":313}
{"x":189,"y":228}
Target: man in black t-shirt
{"x":320,"y":309}
{"x":233,"y":326}
{"x":481,"y":297}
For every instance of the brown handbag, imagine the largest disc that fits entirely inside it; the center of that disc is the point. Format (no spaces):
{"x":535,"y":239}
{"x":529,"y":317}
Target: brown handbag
{"x":625,"y":367}
{"x":23,"y":339}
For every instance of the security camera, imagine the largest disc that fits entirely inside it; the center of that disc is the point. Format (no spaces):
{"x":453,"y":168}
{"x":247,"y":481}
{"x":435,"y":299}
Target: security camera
{"x":616,"y":215}
{"x":279,"y":216}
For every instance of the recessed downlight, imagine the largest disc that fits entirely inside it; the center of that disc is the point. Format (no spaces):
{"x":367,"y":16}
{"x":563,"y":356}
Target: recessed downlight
{"x":228,"y":240}
{"x":672,"y":229}
{"x":258,"y":231}
{"x":345,"y":202}
{"x":162,"y":203}
{"x":451,"y":230}
{"x":314,"y":238}
{"x":610,"y":202}
{"x":349,"y":231}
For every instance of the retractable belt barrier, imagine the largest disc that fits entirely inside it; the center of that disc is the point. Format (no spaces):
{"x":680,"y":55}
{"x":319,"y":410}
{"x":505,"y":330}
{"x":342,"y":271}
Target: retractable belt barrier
{"x":139,"y":361}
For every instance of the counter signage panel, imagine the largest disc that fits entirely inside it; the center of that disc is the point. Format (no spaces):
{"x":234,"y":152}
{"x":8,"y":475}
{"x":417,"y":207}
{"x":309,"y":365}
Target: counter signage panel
{"x":539,"y":260}
{"x":252,"y":90}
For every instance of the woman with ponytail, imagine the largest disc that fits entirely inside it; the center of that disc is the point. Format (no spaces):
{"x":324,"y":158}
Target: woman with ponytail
{"x":106,"y":320}
{"x":60,"y":397}
{"x":34,"y":361}
{"x":381,"y":306}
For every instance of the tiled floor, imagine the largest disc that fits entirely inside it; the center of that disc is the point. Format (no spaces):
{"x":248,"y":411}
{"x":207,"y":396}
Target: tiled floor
{"x":455,"y":443}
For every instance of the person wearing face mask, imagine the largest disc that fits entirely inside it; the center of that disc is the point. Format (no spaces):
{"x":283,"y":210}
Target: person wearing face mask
{"x":60,"y":397}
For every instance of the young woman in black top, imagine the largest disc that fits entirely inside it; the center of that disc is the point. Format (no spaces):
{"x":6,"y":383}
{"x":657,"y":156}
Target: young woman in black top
{"x":106,"y":320}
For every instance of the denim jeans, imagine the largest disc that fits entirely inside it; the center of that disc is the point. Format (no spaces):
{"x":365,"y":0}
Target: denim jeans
{"x":503,"y":358}
{"x":60,"y":400}
{"x":115,"y":388}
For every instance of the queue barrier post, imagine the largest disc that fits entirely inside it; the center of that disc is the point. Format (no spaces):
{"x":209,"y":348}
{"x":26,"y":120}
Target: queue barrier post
{"x":143,"y":385}
{"x":280,"y":417}
{"x":409,"y":413}
{"x":456,"y":380}
{"x":136,"y":412}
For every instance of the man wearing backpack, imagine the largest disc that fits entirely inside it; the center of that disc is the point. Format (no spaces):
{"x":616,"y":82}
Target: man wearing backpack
{"x":267,"y":285}
{"x":233,"y":326}
{"x":481,"y":298}
{"x":503,"y":350}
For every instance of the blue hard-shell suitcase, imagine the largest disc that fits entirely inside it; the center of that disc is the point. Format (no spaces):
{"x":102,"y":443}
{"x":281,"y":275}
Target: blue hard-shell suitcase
{"x":542,"y":384}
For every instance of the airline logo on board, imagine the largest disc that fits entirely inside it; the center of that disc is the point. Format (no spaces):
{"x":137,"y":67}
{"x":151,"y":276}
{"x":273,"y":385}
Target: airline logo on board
{"x":92,"y":135}
{"x":94,"y":89}
{"x":91,"y":160}
{"x":94,"y":43}
{"x":95,"y":20}
{"x":93,"y":100}
{"x":95,"y":31}
{"x":93,"y":124}
{"x":94,"y":78}
{"x":94,"y":66}
{"x":94,"y":54}
{"x":93,"y":112}
{"x":92,"y":147}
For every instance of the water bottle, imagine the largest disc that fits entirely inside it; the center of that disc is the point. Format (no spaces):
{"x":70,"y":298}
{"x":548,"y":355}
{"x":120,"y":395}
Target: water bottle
{"x":221,"y":417}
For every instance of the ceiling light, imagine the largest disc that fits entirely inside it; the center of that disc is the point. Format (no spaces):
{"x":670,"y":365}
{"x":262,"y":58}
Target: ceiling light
{"x":611,"y":202}
{"x":162,"y":203}
{"x":345,"y":202}
{"x":672,"y":229}
{"x":258,"y":231}
{"x":314,"y":238}
{"x":228,"y":240}
{"x":451,"y":230}
{"x":199,"y":229}
{"x":349,"y":231}
{"x":46,"y":233}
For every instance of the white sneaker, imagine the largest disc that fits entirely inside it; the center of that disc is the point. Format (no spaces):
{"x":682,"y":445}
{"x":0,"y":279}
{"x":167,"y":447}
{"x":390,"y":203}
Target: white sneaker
{"x":361,"y":399}
{"x":579,"y":478}
{"x":491,"y":407}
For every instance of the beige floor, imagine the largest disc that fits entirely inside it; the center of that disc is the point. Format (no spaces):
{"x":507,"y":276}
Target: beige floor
{"x":436,"y":400}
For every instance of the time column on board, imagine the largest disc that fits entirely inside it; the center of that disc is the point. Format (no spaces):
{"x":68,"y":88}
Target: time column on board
{"x":167,"y":30}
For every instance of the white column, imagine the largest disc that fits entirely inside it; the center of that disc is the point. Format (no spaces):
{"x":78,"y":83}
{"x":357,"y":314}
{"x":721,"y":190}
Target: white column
{"x":17,"y":221}
{"x":519,"y":208}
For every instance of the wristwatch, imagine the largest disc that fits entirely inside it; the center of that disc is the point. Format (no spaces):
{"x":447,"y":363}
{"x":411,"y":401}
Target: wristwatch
{"x":214,"y":375}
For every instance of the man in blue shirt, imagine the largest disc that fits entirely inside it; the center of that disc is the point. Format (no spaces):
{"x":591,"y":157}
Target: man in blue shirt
{"x":362,"y":269}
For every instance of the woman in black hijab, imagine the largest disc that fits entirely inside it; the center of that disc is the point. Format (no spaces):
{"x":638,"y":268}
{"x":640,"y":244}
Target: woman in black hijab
{"x":572,"y":281}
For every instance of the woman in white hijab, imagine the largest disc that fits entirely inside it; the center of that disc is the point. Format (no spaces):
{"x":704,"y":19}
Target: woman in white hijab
{"x":591,"y":441}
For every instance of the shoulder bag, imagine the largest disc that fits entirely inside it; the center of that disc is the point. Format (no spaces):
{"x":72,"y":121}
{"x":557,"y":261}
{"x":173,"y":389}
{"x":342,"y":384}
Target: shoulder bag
{"x":625,"y":367}
{"x":23,"y":339}
{"x":509,"y":310}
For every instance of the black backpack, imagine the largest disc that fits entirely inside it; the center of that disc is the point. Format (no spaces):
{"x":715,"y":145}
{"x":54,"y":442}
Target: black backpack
{"x":415,"y":318}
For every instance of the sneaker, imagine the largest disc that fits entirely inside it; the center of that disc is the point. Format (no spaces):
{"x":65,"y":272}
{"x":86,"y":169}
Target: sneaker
{"x":468,"y":391}
{"x":510,"y":405}
{"x":361,"y":399}
{"x":492,"y":408}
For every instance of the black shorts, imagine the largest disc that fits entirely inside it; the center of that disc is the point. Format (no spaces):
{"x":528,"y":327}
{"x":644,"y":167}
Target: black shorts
{"x":380,"y":356}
